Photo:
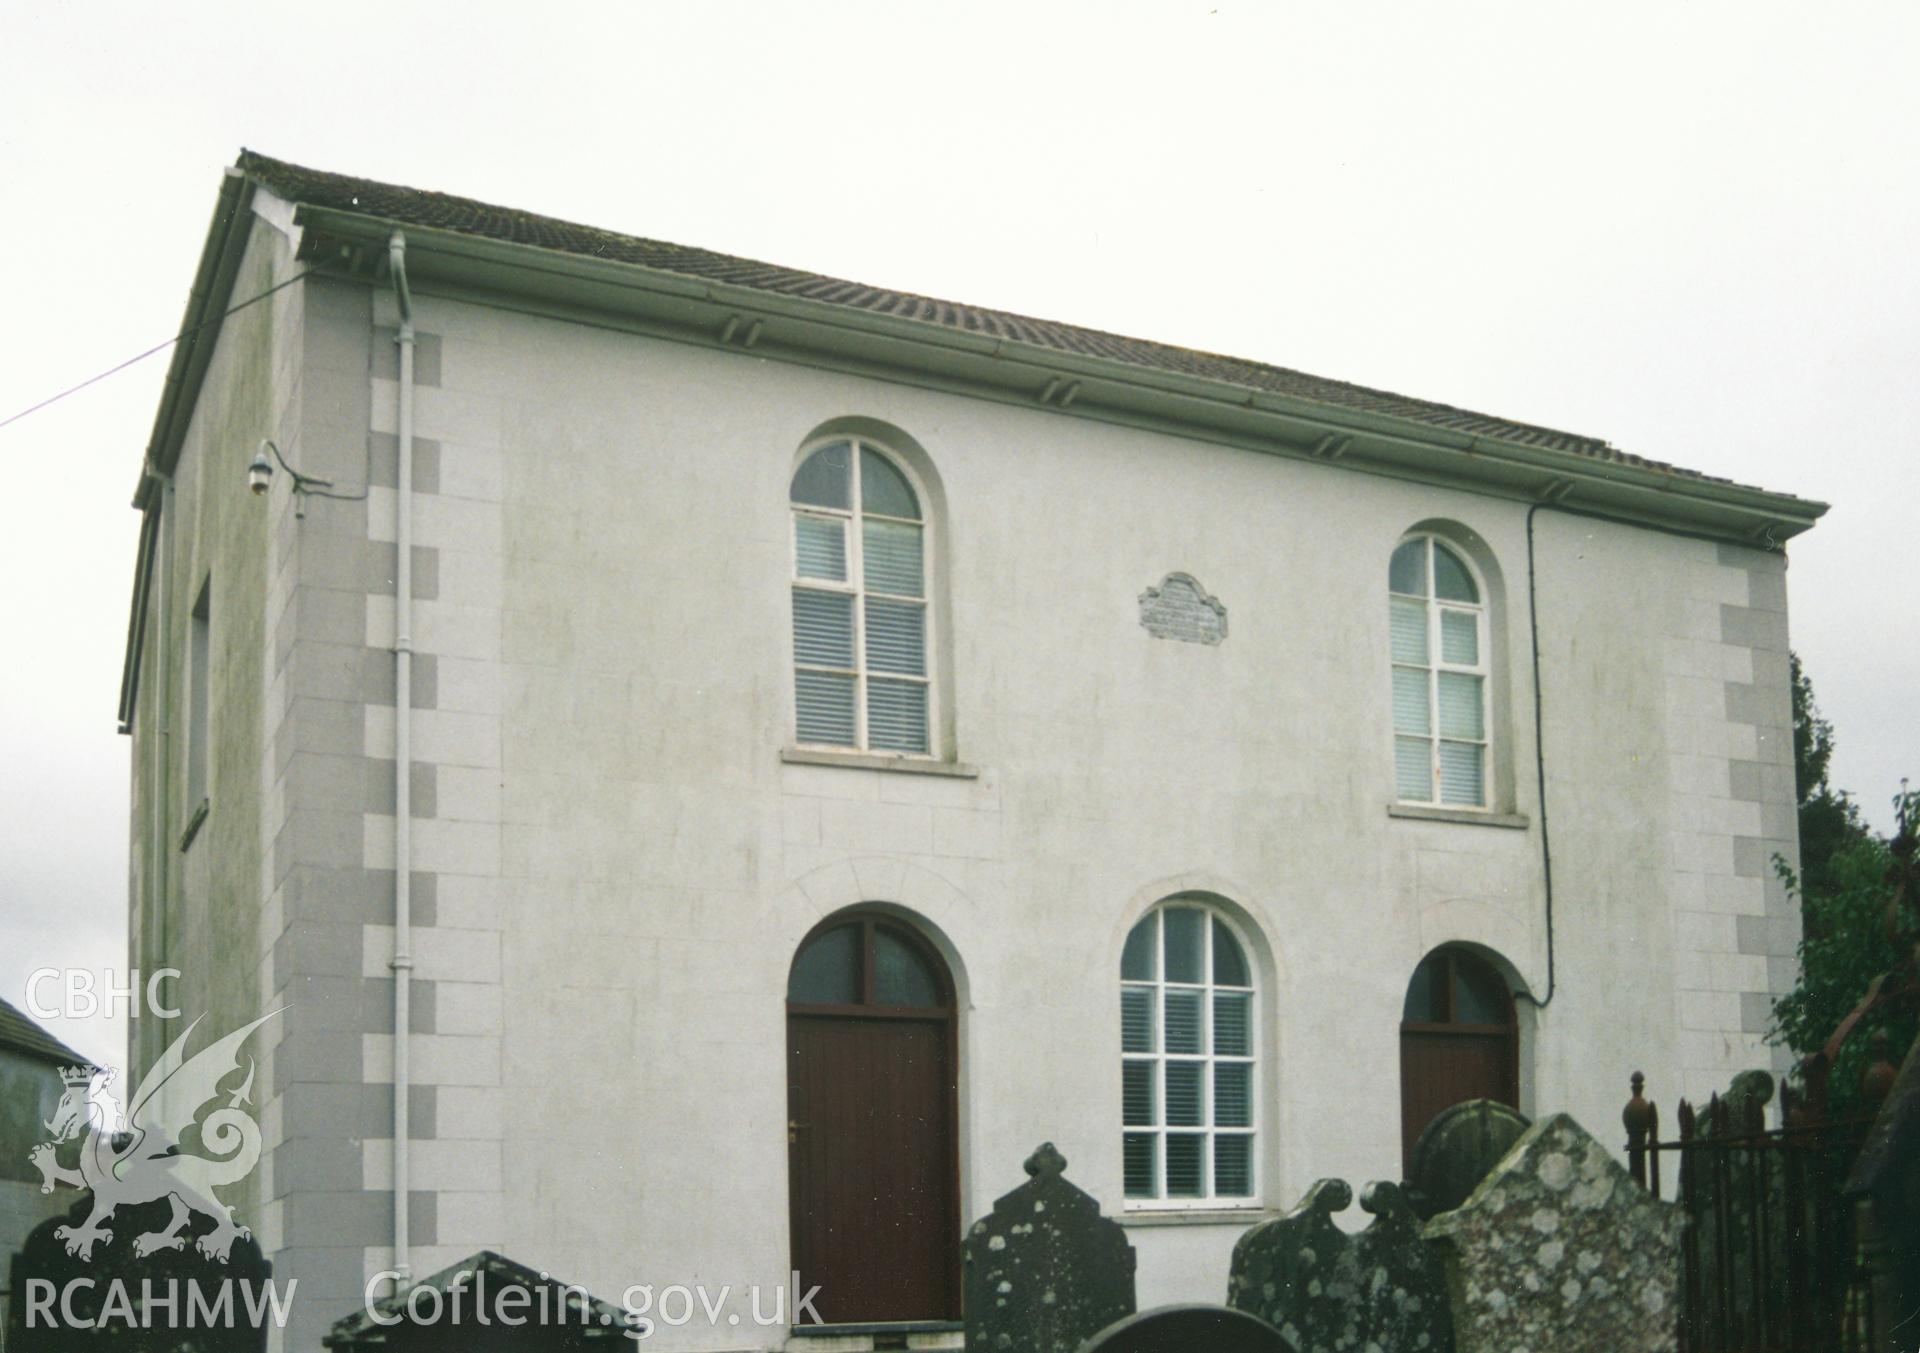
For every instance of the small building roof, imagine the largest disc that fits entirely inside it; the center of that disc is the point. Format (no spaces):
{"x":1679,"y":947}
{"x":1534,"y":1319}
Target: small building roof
{"x":20,"y":1034}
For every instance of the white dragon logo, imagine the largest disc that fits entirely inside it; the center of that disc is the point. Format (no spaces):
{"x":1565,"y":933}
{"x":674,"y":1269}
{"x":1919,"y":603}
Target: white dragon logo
{"x":144,"y":1163}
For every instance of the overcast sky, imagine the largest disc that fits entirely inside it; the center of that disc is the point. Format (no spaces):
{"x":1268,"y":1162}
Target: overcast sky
{"x":1693,"y":230}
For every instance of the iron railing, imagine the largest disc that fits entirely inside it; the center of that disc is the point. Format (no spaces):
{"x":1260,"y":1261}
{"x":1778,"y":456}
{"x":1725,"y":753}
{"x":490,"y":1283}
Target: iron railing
{"x":1771,"y":1255}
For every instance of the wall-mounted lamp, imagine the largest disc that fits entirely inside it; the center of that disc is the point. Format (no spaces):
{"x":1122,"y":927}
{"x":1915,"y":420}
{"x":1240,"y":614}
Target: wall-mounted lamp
{"x":260,"y":478}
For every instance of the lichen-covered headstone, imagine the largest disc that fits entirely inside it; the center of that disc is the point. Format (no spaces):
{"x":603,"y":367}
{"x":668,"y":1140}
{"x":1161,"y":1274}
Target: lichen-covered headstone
{"x":1404,"y":1282}
{"x":1455,"y":1151}
{"x":1559,"y":1251}
{"x":1044,"y":1270}
{"x":1190,"y":1329}
{"x":1329,"y":1292}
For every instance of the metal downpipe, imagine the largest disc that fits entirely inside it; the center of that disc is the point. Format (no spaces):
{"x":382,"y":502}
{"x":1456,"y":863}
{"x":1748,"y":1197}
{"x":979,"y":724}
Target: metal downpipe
{"x":402,"y":962}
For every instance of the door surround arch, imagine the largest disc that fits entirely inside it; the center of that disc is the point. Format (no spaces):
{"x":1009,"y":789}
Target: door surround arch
{"x":945,"y":916}
{"x":1459,"y":1037}
{"x":873,"y":1127}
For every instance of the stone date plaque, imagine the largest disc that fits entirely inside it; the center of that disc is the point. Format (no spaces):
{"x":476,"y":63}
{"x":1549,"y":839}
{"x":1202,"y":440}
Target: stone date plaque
{"x":1180,"y":609}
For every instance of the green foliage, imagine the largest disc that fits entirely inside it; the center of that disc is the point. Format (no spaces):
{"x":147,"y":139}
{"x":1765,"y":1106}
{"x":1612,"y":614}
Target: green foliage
{"x":1812,"y":735}
{"x":1830,"y":827}
{"x":1846,"y":946}
{"x":1830,"y":821}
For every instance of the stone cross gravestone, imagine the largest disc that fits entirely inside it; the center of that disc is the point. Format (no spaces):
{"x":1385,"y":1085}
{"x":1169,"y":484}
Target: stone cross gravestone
{"x":1044,"y":1270}
{"x":1328,"y":1291}
{"x":1456,"y":1150}
{"x":1189,"y":1329}
{"x":1558,"y":1249}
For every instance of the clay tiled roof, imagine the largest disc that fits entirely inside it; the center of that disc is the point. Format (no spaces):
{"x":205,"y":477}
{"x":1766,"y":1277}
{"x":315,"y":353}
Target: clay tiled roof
{"x":440,"y":211}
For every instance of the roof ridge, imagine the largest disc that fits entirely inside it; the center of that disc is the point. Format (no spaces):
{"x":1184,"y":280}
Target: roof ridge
{"x":433,"y":209}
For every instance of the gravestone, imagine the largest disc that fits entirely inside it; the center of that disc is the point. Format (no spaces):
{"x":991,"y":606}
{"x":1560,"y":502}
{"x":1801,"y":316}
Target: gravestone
{"x":1328,"y":1291}
{"x":61,"y":1303}
{"x":1189,"y":1329}
{"x":1736,"y":1201}
{"x":1405,"y":1287}
{"x":1748,"y":1094}
{"x":488,"y":1303}
{"x":1044,"y":1270}
{"x":1456,"y":1150}
{"x":1180,"y":609}
{"x":1558,"y":1249}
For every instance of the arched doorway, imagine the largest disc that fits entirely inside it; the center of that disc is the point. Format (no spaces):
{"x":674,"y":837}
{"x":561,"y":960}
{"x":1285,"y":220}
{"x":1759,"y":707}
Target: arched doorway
{"x":872,"y":1123}
{"x":1458,"y":1040}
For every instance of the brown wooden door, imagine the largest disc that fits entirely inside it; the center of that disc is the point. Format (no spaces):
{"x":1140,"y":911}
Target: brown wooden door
{"x":872,"y":1154}
{"x":1458,"y":1041}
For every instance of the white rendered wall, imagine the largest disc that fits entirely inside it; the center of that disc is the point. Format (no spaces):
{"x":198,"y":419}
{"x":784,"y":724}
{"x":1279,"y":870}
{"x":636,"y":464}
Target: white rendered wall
{"x":621,"y":864}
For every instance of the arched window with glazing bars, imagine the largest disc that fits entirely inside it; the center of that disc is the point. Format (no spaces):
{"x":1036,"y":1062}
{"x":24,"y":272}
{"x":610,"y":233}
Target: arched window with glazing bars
{"x":862,"y":675}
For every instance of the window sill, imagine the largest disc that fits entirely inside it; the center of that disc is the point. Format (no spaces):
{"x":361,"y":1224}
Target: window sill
{"x":912,"y":765}
{"x":1197,"y":1216}
{"x":193,"y":824}
{"x":1472,"y":817}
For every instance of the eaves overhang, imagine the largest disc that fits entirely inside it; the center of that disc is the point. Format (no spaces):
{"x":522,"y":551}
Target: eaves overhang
{"x":220,"y":259}
{"x":637,"y":298}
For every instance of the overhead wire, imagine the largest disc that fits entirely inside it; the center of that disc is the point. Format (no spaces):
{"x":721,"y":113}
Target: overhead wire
{"x":158,"y":347}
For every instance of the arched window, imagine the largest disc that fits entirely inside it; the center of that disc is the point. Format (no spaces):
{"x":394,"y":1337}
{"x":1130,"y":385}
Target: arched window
{"x":1190,"y":1091}
{"x":861,"y":675}
{"x":1439,"y":643}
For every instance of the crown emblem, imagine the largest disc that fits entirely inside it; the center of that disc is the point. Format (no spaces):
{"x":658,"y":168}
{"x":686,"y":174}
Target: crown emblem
{"x":79,"y":1075}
